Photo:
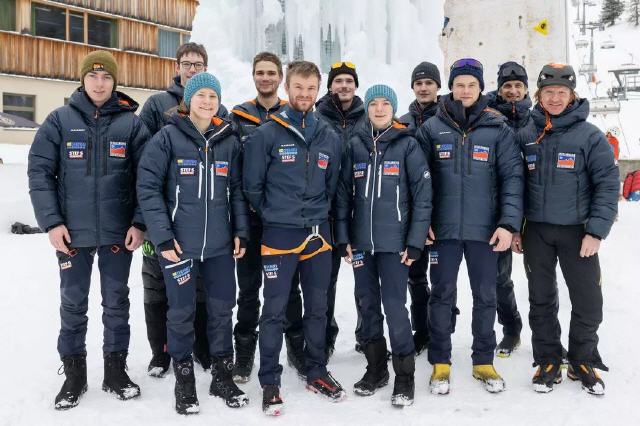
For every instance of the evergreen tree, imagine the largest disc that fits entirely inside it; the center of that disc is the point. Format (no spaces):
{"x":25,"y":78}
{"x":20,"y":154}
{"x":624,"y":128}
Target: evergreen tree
{"x":634,"y":12}
{"x":611,"y":10}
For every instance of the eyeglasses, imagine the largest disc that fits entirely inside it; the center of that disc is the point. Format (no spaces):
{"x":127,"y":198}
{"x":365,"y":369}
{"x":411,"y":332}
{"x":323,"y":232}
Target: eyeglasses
{"x":474,"y":63}
{"x":513,"y":70}
{"x":186,"y":65}
{"x":346,"y":64}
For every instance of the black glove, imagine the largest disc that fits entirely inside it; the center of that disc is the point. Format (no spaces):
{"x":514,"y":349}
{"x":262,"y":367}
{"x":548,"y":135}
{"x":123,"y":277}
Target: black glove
{"x":342,"y":250}
{"x":167,"y":245}
{"x":139,"y":226}
{"x":413,"y":253}
{"x":243,"y":242}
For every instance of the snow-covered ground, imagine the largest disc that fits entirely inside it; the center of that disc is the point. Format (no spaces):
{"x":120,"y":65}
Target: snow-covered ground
{"x":30,"y":322}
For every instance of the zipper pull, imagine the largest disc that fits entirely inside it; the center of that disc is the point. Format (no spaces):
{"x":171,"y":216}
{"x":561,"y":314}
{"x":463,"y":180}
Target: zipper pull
{"x":95,"y":115}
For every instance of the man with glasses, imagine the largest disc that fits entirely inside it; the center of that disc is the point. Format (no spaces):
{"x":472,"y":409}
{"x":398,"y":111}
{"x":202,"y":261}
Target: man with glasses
{"x":478,"y":184}
{"x":343,"y":110}
{"x":191,"y":59}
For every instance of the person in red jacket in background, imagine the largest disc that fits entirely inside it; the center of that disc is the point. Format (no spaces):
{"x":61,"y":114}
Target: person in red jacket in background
{"x":612,"y":136}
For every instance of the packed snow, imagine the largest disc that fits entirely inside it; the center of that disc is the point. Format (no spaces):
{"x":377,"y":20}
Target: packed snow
{"x":29,"y":306}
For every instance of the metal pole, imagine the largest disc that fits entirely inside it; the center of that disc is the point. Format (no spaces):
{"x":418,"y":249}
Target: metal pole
{"x":584,"y":13}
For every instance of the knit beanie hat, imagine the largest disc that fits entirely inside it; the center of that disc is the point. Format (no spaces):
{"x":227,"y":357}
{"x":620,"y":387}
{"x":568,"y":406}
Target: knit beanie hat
{"x":200,"y":81}
{"x":99,"y":60}
{"x":466,"y":69}
{"x":381,"y":91}
{"x":510,"y":71}
{"x":426,"y":70}
{"x":342,"y":68}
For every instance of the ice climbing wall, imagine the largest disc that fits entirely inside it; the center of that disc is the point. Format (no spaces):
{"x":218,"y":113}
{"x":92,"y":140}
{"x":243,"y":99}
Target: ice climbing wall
{"x":531,"y":33}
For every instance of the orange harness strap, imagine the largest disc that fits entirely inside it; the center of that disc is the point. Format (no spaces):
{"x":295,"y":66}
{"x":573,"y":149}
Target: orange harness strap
{"x":269,"y":251}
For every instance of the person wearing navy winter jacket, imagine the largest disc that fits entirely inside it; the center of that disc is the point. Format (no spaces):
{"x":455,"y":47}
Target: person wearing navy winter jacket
{"x":82,"y":170}
{"x":570,"y":204}
{"x":189,"y":189}
{"x":291,"y":166}
{"x":477,"y":184}
{"x":383,"y":213}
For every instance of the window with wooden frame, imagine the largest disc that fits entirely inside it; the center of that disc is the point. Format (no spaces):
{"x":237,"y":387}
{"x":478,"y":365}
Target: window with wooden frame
{"x":21,"y":105}
{"x":71,"y":25}
{"x":8,"y":15}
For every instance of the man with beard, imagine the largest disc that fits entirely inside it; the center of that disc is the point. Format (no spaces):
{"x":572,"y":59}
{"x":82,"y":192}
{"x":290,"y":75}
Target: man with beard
{"x":290,"y":174}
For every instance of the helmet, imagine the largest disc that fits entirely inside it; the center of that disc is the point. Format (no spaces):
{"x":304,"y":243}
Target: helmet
{"x":615,"y":131}
{"x":557,"y":74}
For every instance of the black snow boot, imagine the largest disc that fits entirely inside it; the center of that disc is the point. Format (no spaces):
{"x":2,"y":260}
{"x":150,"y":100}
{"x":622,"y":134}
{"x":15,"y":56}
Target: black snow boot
{"x":201,"y":341}
{"x":507,"y":346}
{"x":327,"y":386}
{"x":272,"y":403}
{"x":403,"y":386}
{"x":420,"y":341}
{"x":377,"y":374}
{"x":185,"y":389}
{"x":74,"y":368}
{"x":545,"y":377}
{"x":116,"y":380}
{"x":245,"y":353}
{"x":295,"y":353}
{"x":155,"y":315}
{"x":222,"y":384}
{"x":588,"y":376}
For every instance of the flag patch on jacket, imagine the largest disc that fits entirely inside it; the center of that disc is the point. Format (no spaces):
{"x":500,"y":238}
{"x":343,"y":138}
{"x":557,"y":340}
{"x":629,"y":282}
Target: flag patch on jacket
{"x":288,"y":155}
{"x":444,"y":150}
{"x":117,"y":149}
{"x":358,"y":170}
{"x":75,"y":150}
{"x":531,"y":161}
{"x":391,"y":168}
{"x":222,"y":168}
{"x":566,"y":160}
{"x":480,"y":153}
{"x":323,"y":161}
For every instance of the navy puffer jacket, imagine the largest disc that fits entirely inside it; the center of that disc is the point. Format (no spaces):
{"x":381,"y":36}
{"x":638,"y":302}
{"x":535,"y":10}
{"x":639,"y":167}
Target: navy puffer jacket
{"x":291,"y":167}
{"x":384,"y":193}
{"x":571,"y":177}
{"x":477,"y":171}
{"x":189,"y":188}
{"x":82,"y":169}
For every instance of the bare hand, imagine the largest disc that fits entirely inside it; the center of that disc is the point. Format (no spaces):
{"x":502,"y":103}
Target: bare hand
{"x":501,"y":239}
{"x":134,"y":239}
{"x":516,"y":243}
{"x":172,"y":255}
{"x":59,"y":238}
{"x":430,"y":237}
{"x":237,"y":251}
{"x":405,"y":258}
{"x":349,"y":257}
{"x":590,"y":246}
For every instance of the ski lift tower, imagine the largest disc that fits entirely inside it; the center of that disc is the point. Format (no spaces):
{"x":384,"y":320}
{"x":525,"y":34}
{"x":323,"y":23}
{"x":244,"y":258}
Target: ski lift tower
{"x":590,"y":68}
{"x":628,"y":77}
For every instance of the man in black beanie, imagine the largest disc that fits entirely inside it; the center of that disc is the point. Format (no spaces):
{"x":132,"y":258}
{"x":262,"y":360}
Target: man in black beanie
{"x":341,"y":108}
{"x":425,"y":82}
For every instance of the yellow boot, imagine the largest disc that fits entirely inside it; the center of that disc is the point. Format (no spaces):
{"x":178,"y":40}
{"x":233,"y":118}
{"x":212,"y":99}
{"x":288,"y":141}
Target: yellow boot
{"x":489,"y":377}
{"x":439,"y":382}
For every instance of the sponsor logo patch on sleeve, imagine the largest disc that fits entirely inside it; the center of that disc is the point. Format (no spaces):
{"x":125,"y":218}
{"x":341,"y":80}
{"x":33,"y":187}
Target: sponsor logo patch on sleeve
{"x":566,"y":160}
{"x":481,"y":153}
{"x":391,"y":168}
{"x":118,"y":149}
{"x":531,"y":161}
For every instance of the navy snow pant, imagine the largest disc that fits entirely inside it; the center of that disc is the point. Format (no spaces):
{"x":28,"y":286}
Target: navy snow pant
{"x":419,"y":292}
{"x":249,"y":282}
{"x":380,"y":277}
{"x":544,"y":245}
{"x":445,"y":258}
{"x":75,"y":278}
{"x":218,"y":278}
{"x":508,"y":314}
{"x":315,"y":276}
